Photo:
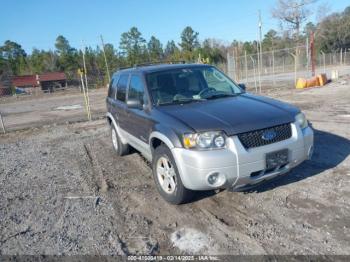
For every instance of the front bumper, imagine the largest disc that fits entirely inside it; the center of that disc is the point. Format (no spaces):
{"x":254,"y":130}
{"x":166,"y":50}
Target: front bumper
{"x":235,"y":165}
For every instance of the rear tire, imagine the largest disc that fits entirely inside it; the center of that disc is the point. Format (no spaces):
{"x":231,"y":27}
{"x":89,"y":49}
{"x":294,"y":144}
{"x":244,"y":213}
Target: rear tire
{"x":166,"y":177}
{"x":120,"y":148}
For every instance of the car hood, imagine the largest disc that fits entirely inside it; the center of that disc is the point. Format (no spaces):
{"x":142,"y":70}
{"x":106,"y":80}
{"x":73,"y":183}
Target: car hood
{"x":233,"y":115}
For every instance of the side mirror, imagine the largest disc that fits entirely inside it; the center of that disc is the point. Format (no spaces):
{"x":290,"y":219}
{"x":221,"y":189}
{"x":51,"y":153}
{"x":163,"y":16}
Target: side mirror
{"x":134,"y":103}
{"x":242,"y":86}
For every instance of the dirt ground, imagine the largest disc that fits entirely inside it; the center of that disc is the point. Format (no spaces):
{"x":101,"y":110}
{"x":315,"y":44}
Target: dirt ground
{"x":28,"y":111}
{"x":64,"y":191}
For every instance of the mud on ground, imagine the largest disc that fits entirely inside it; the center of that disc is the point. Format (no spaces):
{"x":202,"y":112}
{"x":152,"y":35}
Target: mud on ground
{"x":64,"y":191}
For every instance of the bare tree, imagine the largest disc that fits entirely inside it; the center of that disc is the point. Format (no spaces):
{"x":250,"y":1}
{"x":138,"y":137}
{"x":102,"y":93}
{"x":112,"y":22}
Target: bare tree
{"x":293,"y":13}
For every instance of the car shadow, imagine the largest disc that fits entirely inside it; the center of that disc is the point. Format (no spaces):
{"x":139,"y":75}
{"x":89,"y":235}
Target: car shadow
{"x":330,"y":150}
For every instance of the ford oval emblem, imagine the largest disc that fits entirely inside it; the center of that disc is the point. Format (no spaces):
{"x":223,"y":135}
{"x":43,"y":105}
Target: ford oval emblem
{"x":269,"y":135}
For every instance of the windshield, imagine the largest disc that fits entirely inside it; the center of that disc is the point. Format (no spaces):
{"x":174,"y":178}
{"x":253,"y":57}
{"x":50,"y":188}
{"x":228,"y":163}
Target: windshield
{"x":189,"y":85}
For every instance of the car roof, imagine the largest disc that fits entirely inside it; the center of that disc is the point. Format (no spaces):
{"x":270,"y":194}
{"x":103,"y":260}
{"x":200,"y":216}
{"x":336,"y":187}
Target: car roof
{"x":158,"y":67}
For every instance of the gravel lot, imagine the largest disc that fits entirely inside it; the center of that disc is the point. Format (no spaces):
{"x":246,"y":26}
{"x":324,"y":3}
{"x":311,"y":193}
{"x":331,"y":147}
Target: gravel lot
{"x":35,"y":111}
{"x":64,"y":191}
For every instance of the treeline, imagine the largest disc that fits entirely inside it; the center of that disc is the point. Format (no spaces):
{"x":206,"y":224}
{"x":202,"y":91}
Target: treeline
{"x":133,"y":49}
{"x":331,"y":34}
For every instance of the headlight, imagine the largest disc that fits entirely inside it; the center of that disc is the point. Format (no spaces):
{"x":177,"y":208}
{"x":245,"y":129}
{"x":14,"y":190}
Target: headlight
{"x":301,"y":120}
{"x":205,"y":140}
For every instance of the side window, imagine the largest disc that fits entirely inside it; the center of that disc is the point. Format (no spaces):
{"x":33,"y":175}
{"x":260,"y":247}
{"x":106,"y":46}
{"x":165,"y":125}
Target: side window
{"x":137,"y":89}
{"x":113,"y":87}
{"x":121,"y":90}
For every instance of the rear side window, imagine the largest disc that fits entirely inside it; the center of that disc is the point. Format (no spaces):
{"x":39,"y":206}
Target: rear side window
{"x":113,"y":87}
{"x":136,"y":89}
{"x":122,"y":84}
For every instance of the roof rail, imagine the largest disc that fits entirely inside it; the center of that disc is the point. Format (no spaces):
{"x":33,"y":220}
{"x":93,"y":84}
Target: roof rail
{"x":160,"y":62}
{"x":125,"y":67}
{"x":153,"y":63}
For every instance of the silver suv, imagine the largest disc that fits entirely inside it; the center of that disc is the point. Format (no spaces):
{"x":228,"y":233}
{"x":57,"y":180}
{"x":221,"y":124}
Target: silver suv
{"x":202,"y":131}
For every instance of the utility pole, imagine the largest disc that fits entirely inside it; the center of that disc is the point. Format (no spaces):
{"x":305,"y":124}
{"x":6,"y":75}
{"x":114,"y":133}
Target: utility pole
{"x":312,"y":51}
{"x":234,"y":64}
{"x":256,"y":87}
{"x":237,"y":64}
{"x":273,"y":67}
{"x":246,"y":66}
{"x":307,"y":54}
{"x":324,"y":61}
{"x":341,"y":56}
{"x":104,"y":54}
{"x":260,"y":47}
{"x":258,"y":64}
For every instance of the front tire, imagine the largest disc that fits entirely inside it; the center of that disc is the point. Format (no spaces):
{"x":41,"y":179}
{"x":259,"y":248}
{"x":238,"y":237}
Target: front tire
{"x":120,"y":148}
{"x":167,"y":178}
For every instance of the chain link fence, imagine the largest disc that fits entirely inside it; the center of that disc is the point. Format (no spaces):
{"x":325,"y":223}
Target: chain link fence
{"x":283,"y":67}
{"x":268,"y":72}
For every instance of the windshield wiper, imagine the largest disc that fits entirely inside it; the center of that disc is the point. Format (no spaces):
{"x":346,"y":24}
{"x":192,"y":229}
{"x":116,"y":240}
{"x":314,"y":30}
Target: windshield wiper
{"x":181,"y":101}
{"x":220,"y":95}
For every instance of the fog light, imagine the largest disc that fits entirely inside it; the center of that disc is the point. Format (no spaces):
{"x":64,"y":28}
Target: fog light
{"x":213,"y":178}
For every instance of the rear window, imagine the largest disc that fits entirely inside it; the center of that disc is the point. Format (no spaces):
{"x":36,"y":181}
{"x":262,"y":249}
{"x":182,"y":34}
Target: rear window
{"x":113,"y":87}
{"x":122,"y":84}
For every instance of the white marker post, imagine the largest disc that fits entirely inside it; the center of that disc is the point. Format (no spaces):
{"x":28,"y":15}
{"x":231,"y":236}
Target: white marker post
{"x":2,"y":124}
{"x":84,"y":94}
{"x":86,"y":85}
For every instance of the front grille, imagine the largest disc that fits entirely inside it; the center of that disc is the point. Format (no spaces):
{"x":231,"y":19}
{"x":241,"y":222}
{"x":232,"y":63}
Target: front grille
{"x":255,"y":138}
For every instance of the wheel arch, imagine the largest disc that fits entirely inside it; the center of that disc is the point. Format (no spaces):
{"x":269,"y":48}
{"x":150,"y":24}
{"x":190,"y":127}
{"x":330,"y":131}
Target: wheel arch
{"x":111,"y":121}
{"x":157,"y":138}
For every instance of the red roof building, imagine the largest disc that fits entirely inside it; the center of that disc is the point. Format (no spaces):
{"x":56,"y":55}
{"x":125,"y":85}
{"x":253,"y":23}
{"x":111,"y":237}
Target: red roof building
{"x":25,"y":81}
{"x":52,"y":76}
{"x":47,"y":82}
{"x":38,"y":80}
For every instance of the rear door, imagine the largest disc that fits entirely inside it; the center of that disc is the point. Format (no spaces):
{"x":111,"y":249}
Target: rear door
{"x":120,"y":101}
{"x":112,"y":91}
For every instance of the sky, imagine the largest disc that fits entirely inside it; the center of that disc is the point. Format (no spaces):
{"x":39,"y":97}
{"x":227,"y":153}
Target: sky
{"x":37,"y":23}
